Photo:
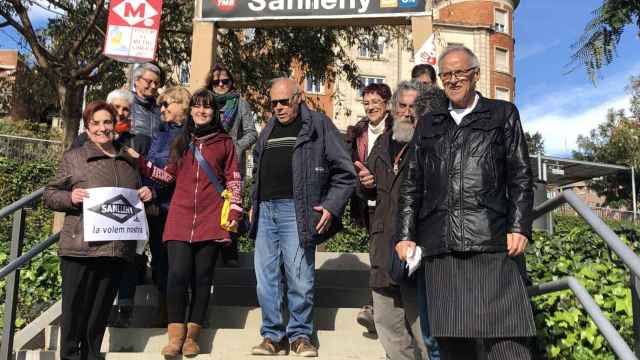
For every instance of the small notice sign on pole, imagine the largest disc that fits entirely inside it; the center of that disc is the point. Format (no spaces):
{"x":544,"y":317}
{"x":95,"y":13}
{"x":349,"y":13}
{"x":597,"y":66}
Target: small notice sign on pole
{"x":132,"y":30}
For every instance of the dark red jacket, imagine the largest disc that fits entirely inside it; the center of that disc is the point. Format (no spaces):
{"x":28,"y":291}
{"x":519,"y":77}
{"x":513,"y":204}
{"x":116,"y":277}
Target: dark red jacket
{"x":194,"y":212}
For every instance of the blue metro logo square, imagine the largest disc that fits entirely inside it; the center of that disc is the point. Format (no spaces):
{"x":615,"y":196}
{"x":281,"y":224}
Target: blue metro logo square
{"x":408,"y":3}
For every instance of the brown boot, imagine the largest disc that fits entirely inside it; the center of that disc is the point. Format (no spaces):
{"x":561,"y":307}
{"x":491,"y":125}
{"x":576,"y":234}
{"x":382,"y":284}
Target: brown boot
{"x":176,"y":332}
{"x":190,"y":347}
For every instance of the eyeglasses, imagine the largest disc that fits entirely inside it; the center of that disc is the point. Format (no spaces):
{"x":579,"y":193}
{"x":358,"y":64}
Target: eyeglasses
{"x":221,"y":82}
{"x":458,"y":74}
{"x":150,"y":81}
{"x":283,"y":102}
{"x":165,"y":104}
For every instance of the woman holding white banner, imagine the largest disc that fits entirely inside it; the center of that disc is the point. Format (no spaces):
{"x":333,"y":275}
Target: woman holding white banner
{"x":204,"y":166}
{"x":91,"y":270}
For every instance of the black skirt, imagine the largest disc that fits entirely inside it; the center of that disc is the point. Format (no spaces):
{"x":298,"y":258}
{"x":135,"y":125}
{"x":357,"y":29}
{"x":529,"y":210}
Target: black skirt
{"x":477,"y":295}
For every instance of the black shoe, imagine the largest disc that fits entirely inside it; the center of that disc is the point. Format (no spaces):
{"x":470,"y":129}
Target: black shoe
{"x":365,"y":318}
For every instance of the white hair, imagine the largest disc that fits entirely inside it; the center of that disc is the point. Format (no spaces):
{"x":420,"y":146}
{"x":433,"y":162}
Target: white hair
{"x":296,"y":87}
{"x":458,"y":48}
{"x":405,"y":85}
{"x":140,"y":70}
{"x":120,"y":94}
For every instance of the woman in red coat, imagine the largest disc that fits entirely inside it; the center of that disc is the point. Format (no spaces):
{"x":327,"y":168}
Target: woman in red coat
{"x":193,"y":234}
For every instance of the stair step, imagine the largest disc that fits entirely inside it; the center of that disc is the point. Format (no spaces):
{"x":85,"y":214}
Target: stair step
{"x":231,"y":343}
{"x":250,"y":317}
{"x":52,"y":355}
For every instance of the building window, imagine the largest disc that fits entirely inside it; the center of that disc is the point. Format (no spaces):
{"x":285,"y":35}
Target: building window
{"x":372,"y":49}
{"x":184,"y":73}
{"x":502,"y":60}
{"x":366,"y":80}
{"x":501,"y":21}
{"x":313,"y":86}
{"x":503,"y":94}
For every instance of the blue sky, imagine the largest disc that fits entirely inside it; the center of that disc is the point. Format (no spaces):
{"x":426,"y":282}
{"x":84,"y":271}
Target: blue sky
{"x":561,"y":106}
{"x":558,"y":105}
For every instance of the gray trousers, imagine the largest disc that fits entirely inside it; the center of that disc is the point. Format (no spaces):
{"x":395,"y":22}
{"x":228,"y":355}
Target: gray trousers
{"x":395,"y":312}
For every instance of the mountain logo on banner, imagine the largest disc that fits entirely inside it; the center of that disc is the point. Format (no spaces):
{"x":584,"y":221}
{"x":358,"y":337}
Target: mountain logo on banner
{"x":136,"y":11}
{"x":117,"y":208}
{"x":225,"y":6}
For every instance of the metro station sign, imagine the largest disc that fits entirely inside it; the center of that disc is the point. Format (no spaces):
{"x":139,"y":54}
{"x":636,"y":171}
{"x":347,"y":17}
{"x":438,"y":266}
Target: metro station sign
{"x":252,"y":10}
{"x":132,"y":30}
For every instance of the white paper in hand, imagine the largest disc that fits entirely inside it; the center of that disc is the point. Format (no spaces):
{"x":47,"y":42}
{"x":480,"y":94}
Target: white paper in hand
{"x":111,"y":213}
{"x":414,"y":258}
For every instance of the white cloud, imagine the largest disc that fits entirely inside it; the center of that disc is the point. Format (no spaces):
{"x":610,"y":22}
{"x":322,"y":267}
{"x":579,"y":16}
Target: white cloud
{"x":560,"y":131}
{"x":562,"y":115}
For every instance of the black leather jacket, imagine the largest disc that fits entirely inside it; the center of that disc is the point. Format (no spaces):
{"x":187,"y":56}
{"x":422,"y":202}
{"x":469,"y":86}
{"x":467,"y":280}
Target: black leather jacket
{"x":467,"y":185}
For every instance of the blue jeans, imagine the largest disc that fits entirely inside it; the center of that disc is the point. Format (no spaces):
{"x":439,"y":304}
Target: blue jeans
{"x":277,"y":243}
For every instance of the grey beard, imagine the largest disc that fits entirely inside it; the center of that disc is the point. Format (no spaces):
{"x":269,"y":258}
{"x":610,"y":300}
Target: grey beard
{"x":402,"y":131}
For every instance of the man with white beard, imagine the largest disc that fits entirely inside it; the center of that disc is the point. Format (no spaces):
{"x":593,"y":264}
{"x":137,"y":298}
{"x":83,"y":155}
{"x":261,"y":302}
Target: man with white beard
{"x":394,"y":303}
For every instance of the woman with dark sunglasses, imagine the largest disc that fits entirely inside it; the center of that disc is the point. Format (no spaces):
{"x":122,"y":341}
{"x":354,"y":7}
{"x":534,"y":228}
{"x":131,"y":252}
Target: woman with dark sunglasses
{"x":238,"y":121}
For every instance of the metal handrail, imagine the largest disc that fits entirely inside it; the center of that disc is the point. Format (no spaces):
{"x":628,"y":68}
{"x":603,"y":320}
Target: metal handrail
{"x":617,"y":343}
{"x":627,"y":255}
{"x":17,"y":259}
{"x":21,"y":203}
{"x":26,"y":257}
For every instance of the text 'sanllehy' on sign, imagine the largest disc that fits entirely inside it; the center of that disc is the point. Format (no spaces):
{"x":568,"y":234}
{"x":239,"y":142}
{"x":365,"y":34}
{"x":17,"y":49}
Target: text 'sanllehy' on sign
{"x":251,"y":10}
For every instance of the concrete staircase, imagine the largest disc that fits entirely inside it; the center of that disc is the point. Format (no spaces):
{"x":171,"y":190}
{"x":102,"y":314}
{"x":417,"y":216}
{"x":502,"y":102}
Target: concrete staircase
{"x":234,"y":317}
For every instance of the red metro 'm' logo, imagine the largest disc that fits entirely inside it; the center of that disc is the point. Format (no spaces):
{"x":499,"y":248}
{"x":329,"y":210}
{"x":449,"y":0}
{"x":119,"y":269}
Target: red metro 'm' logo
{"x":225,"y":6}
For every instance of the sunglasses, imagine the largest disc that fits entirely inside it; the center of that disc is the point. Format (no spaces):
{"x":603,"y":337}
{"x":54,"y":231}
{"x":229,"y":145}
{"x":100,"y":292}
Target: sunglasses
{"x":221,"y":82}
{"x":165,"y":104}
{"x":283,"y":102}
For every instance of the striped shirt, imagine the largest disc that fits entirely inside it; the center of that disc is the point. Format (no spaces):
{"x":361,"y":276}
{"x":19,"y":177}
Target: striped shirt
{"x":276,"y":177}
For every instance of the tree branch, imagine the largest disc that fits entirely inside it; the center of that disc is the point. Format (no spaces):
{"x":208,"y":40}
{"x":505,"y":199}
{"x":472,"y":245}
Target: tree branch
{"x":75,"y":48}
{"x":85,"y":71}
{"x":43,"y":57}
{"x":59,"y":5}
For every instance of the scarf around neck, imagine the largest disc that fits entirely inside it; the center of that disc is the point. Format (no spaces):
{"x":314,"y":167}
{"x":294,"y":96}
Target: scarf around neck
{"x":228,"y":105}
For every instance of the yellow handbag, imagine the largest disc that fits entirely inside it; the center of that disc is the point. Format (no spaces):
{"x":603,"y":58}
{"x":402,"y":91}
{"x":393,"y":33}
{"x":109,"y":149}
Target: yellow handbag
{"x":224,"y":214}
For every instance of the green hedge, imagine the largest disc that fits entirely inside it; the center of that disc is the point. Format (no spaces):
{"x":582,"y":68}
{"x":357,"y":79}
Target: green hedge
{"x":563,"y":326}
{"x":40,"y":279}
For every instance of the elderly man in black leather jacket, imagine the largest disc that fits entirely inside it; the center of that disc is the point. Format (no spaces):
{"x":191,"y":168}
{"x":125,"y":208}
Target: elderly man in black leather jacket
{"x":466,"y":200}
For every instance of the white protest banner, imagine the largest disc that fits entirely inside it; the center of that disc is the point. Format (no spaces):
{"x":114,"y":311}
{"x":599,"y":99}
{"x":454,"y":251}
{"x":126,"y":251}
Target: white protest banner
{"x":427,"y":53}
{"x":111,"y":213}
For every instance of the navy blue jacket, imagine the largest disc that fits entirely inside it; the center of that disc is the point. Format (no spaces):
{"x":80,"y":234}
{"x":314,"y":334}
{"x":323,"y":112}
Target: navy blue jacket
{"x":323,"y":175}
{"x":159,"y":156}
